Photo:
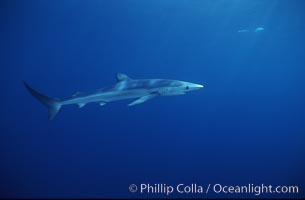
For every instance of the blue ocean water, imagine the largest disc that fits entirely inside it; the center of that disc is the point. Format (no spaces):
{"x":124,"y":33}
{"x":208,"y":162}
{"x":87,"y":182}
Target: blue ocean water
{"x":247,"y":126}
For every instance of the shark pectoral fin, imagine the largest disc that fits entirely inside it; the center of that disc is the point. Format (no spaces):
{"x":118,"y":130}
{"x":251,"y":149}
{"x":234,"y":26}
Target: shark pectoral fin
{"x":143,"y":99}
{"x":80,"y":105}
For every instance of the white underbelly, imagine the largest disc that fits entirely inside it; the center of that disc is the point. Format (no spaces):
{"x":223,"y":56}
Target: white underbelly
{"x":108,"y":96}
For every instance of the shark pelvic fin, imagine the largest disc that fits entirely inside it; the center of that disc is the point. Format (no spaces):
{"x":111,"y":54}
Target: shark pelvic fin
{"x":122,"y":77}
{"x":80,"y":105}
{"x":143,"y":99}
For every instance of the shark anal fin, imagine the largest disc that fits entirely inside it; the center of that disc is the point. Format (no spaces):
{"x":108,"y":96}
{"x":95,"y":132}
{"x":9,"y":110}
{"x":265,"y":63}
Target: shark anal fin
{"x":102,"y":103}
{"x":80,"y":105}
{"x":143,"y":99}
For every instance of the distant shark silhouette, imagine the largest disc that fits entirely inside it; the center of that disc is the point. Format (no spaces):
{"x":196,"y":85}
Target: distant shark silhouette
{"x":125,"y":88}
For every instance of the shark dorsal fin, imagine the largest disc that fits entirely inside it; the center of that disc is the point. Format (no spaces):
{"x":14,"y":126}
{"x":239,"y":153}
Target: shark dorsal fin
{"x":76,"y":94}
{"x":122,"y":77}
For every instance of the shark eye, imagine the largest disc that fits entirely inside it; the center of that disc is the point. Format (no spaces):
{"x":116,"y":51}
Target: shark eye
{"x":187,"y":87}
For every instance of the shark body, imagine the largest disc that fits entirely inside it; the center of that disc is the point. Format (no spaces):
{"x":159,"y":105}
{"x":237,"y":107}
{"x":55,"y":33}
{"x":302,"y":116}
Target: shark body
{"x":125,"y":88}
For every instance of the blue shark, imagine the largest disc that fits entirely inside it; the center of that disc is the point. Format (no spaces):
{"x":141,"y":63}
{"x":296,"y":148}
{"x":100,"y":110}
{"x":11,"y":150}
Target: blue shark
{"x":125,"y":88}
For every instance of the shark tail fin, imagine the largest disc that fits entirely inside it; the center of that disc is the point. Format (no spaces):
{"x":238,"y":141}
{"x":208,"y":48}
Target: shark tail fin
{"x":52,"y":104}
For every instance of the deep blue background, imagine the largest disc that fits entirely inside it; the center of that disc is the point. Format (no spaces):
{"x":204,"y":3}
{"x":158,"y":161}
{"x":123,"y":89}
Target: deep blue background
{"x":246,"y":126}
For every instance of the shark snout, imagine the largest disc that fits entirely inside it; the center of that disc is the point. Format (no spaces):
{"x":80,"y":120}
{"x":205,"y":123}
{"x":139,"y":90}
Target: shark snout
{"x":195,"y":86}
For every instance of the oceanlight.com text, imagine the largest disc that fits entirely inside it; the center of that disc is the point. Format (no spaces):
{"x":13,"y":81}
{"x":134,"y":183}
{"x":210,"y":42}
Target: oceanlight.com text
{"x":202,"y":189}
{"x":255,"y":189}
